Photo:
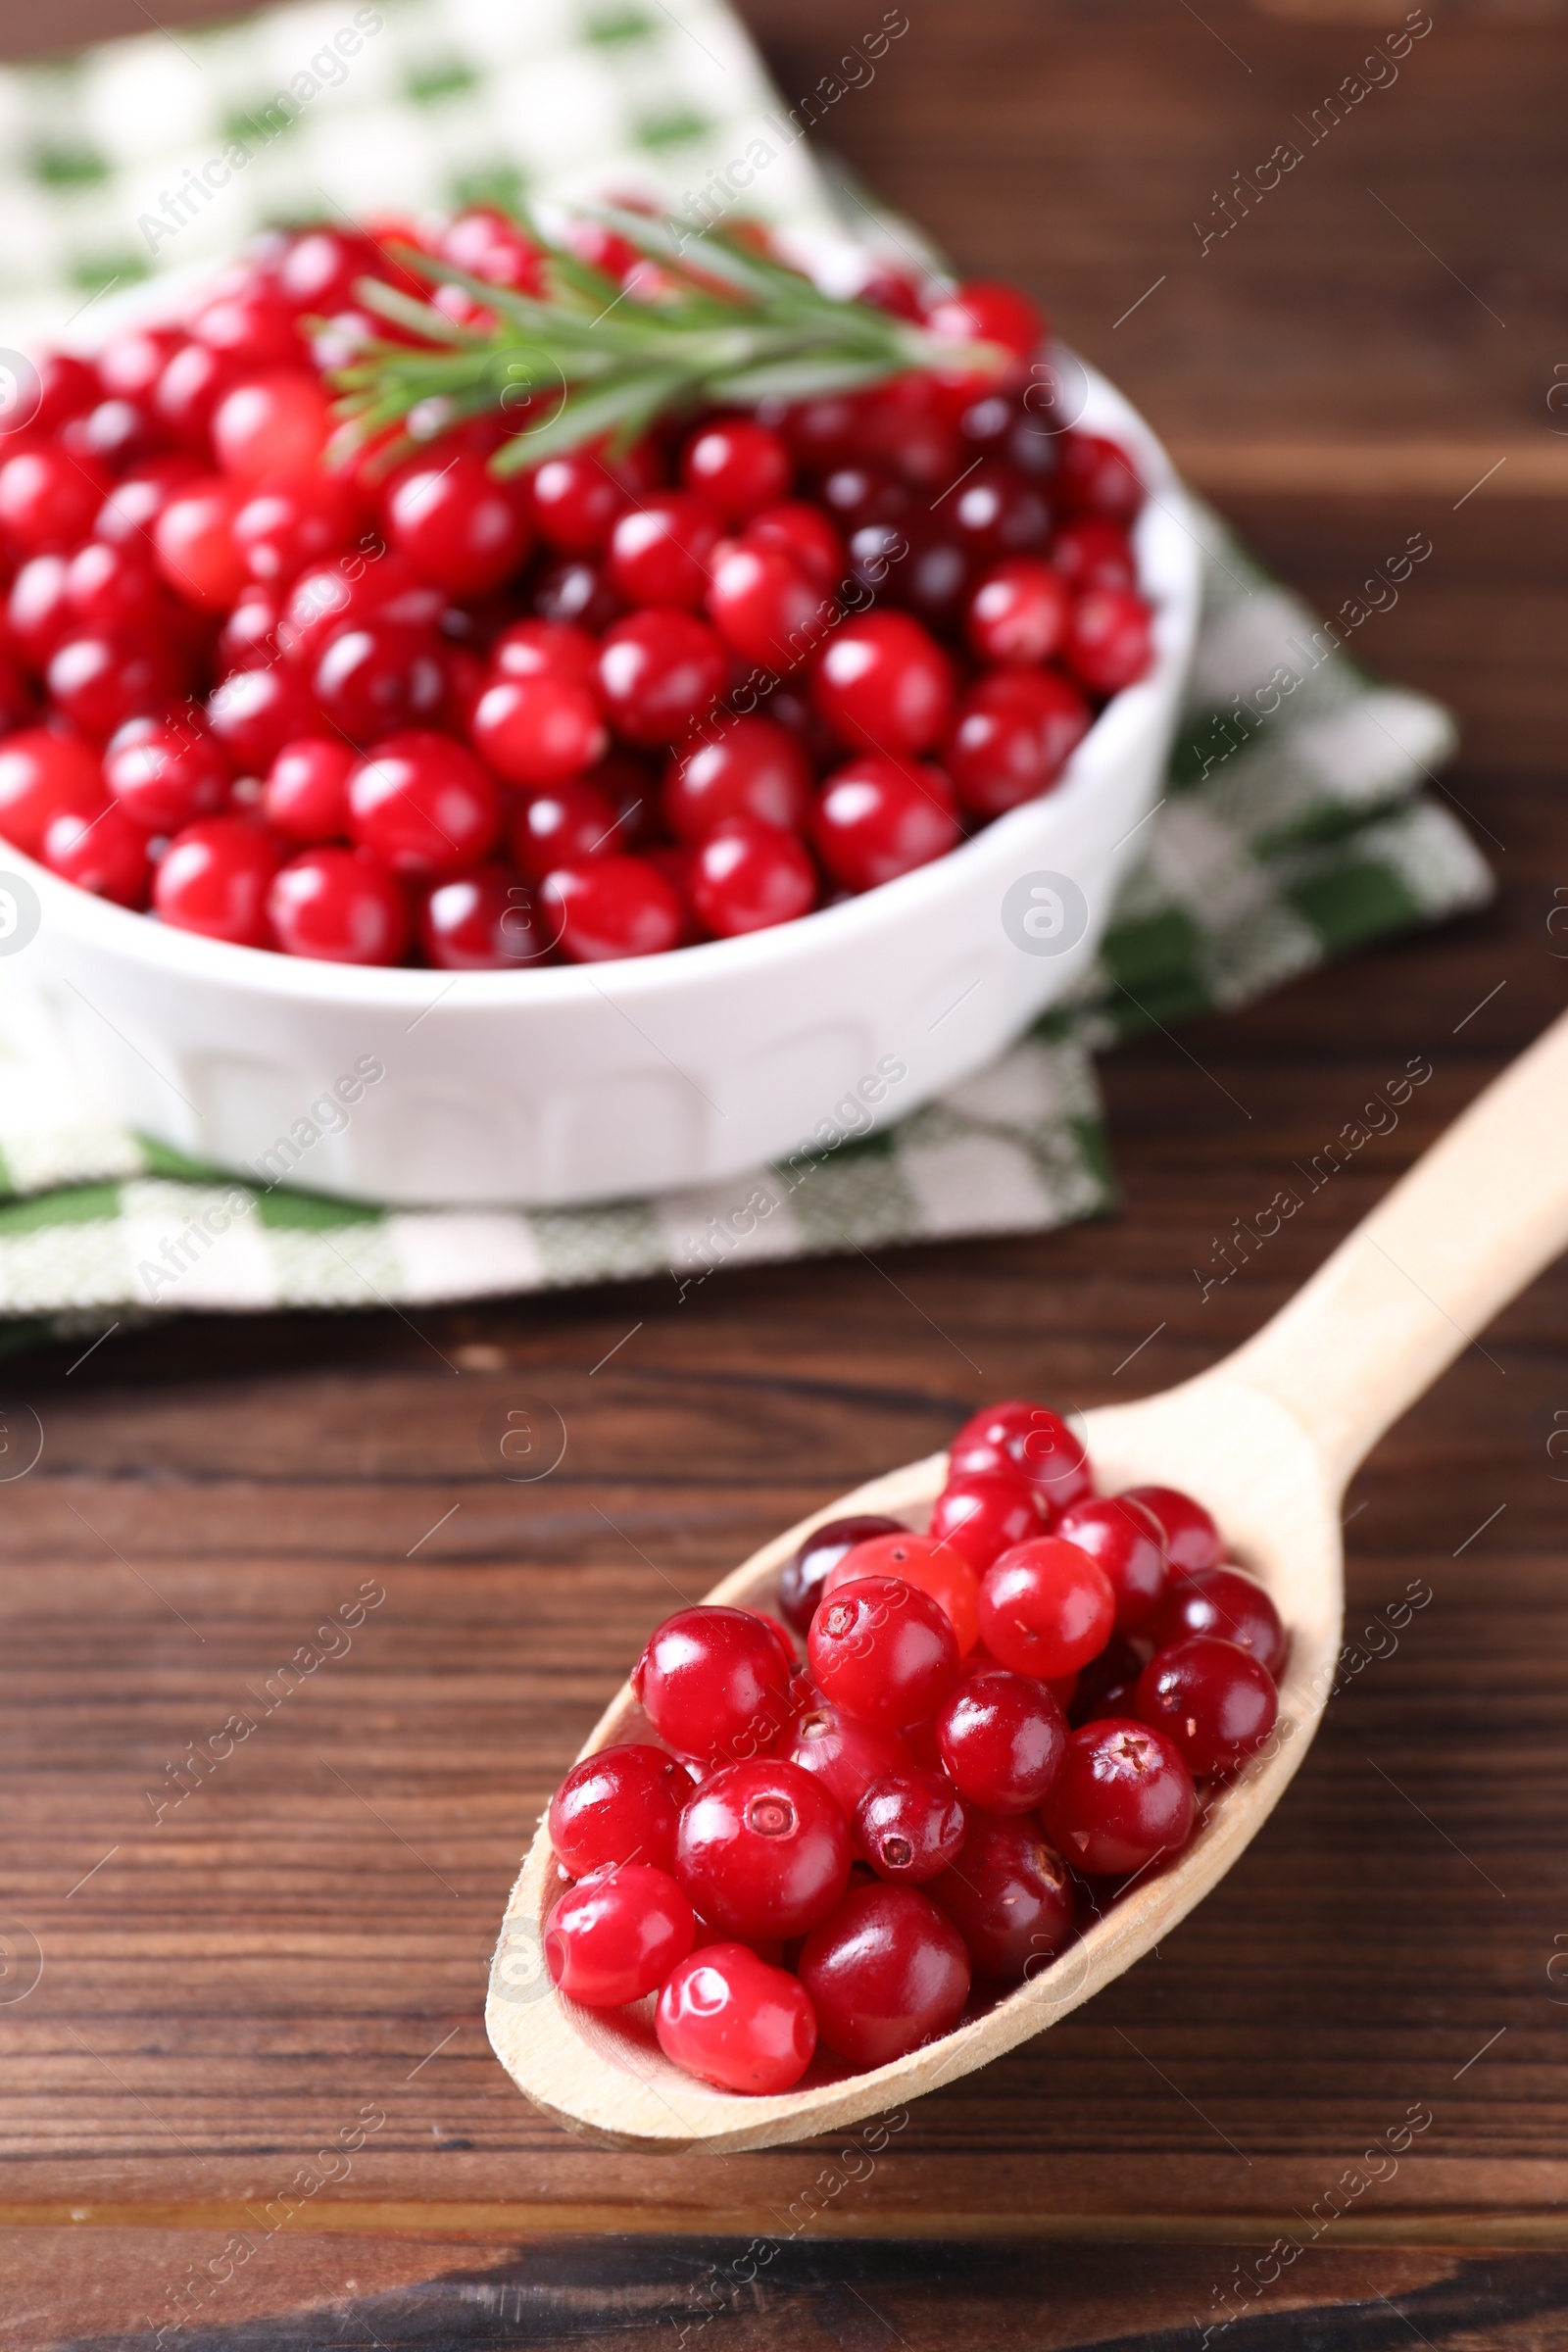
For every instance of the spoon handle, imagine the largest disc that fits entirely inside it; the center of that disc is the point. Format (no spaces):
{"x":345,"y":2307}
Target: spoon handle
{"x":1418,"y":1281}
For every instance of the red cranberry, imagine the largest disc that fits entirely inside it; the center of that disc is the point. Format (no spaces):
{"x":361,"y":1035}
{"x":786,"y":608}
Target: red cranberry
{"x":804,"y":535}
{"x":1125,"y":1537}
{"x":105,"y":676}
{"x":48,"y":499}
{"x":321,"y":268}
{"x":1125,"y":1796}
{"x":254,"y":712}
{"x":617,"y":1935}
{"x":846,"y":1754}
{"x":1001,"y":1737}
{"x":457,"y":523}
{"x":130,"y":364}
{"x":306,"y":798}
{"x":1226,"y":1603}
{"x":621,"y":1804}
{"x":1214,"y":1701}
{"x":661,"y":552}
{"x":910,"y":1825}
{"x":1108,"y":643}
{"x":763,"y":1849}
{"x":1009,"y":1896}
{"x":250,"y":328}
{"x":1019,"y":612}
{"x":800,"y":1582}
{"x":340,"y":906}
{"x":193,"y":538}
{"x":1046,"y":1607}
{"x":166,"y":772}
{"x":907,"y":423}
{"x":112,"y":586}
{"x":275,"y":423}
{"x":575,"y":592}
{"x":878,"y":818}
{"x":423,"y":805}
{"x":737,"y":464}
{"x":749,"y":877}
{"x":546,"y":649}
{"x":731,"y":2019}
{"x":248,"y":638}
{"x":767,"y":606}
{"x":575,"y":502}
{"x":214,"y":879}
{"x":563,"y":826}
{"x":291,"y":520}
{"x":884,"y":1651}
{"x":66,"y":387}
{"x":486,"y":244}
{"x":1192,"y":1538}
{"x":985,"y":310}
{"x":982,"y":1513}
{"x":936,"y":1567}
{"x":39,"y":608}
{"x":609,"y":907}
{"x":711,"y":1683}
{"x":824,"y":431}
{"x":1094,"y":477}
{"x":376,"y":677}
{"x":193,"y":381}
{"x":538,"y":730}
{"x":886,"y":1972}
{"x":995,"y":512}
{"x":1108,"y":1684}
{"x":43,"y":774}
{"x":752,"y":769}
{"x":328,"y":596}
{"x":482,"y":922}
{"x":1014,"y":735}
{"x":1030,"y":1440}
{"x":883,"y":684}
{"x":856,"y":495}
{"x":106,"y":854}
{"x":659,"y":672}
{"x":1091,"y":552}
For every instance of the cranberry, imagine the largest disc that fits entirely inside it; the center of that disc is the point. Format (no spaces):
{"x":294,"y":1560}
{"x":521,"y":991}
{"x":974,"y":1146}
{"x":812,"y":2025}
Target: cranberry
{"x":661,"y":552}
{"x":166,"y":772}
{"x":619,"y":1805}
{"x":1009,"y":1896}
{"x":321,"y":268}
{"x":997,"y":511}
{"x":377,"y":678}
{"x":194,"y":541}
{"x":804,"y":535}
{"x":563,"y":826}
{"x":482,"y":922}
{"x":981,"y":1513}
{"x":1030,"y":1440}
{"x":48,"y":499}
{"x":424,"y":803}
{"x":250,"y":328}
{"x":41,"y":775}
{"x":67,"y":387}
{"x":1001,"y":1737}
{"x":275,"y":423}
{"x":306,"y":798}
{"x":214,"y":879}
{"x":1108,"y":643}
{"x":1215,"y":1702}
{"x":105,"y":676}
{"x":907,"y":423}
{"x":193,"y":381}
{"x":1225,"y":1603}
{"x":291,"y":520}
{"x":1094,"y":477}
{"x":883,"y":1649}
{"x":1046,"y":1607}
{"x":856,"y":495}
{"x":659,"y":672}
{"x":883,"y":684}
{"x":749,"y":876}
{"x":886,"y":1972}
{"x":39,"y":608}
{"x":577,"y":502}
{"x":610,"y":908}
{"x":738,"y":465}
{"x":575,"y":592}
{"x":910,"y":1825}
{"x":824,"y":431}
{"x":112,"y":586}
{"x":938,"y":1568}
{"x":1017,"y":614}
{"x":538,"y":730}
{"x":129,"y":366}
{"x":800,"y":1582}
{"x":846,"y":1754}
{"x":1091,"y":552}
{"x":457,"y":523}
{"x":711,"y":1681}
{"x":731,"y":2019}
{"x":1125,"y":1796}
{"x":878,"y":818}
{"x":1191,"y":1537}
{"x":982,"y":310}
{"x":1108,"y":1684}
{"x":340,"y":906}
{"x":617,"y":1935}
{"x":254,"y":712}
{"x":1126,"y":1539}
{"x":546,"y":649}
{"x":1014,"y":735}
{"x":117,"y":433}
{"x":767,"y":606}
{"x":106,"y":854}
{"x":486,"y":244}
{"x":752,"y":769}
{"x":764,"y":1849}
{"x":328,"y":596}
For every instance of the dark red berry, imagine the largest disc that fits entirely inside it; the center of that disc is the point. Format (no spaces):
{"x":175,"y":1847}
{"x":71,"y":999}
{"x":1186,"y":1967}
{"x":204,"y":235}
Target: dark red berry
{"x":711,"y":1683}
{"x":1092,"y":552}
{"x":884,"y":1651}
{"x":213,"y":878}
{"x":661,"y":550}
{"x":1034,"y":1442}
{"x":166,"y":772}
{"x":803,"y":533}
{"x":800,"y":1582}
{"x":575,"y":502}
{"x":1124,"y":1797}
{"x":306,"y":797}
{"x":983,"y":1513}
{"x":767,"y":606}
{"x":845,"y":1753}
{"x":104,"y":676}
{"x":481,"y":921}
{"x":1191,"y":1540}
{"x":1009,"y":1896}
{"x":1096,"y":477}
{"x":1108,"y":643}
{"x":751,"y":767}
{"x":749,"y":876}
{"x":1001,"y":1737}
{"x":910,"y":1825}
{"x":617,"y":1935}
{"x":764,"y":1849}
{"x":42,"y":775}
{"x":1215,"y":1702}
{"x":567,"y":825}
{"x":376,"y":677}
{"x":886,"y":1972}
{"x":606,"y":907}
{"x":733,"y":2021}
{"x":883,"y":684}
{"x":1226,"y":1603}
{"x":254,"y":712}
{"x":659,"y":673}
{"x":341,"y":905}
{"x":1126,"y":1539}
{"x":538,"y":730}
{"x":938,"y":1568}
{"x":457,"y":523}
{"x":290,"y":522}
{"x":1014,"y":732}
{"x":272,"y":423}
{"x":423,"y":805}
{"x":1108,"y":1684}
{"x":106,"y":854}
{"x":1017,"y":614}
{"x":879,"y":817}
{"x":546,"y":649}
{"x":620,"y":1804}
{"x":737,"y":464}
{"x":114,"y":586}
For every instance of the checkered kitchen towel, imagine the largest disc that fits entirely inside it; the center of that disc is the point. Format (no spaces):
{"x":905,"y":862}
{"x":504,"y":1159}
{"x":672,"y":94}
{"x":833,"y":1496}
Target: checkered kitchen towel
{"x":1295,"y":826}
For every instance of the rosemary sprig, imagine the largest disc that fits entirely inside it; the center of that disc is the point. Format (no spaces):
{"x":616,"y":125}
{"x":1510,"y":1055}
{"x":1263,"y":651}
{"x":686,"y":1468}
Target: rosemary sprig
{"x":586,"y":359}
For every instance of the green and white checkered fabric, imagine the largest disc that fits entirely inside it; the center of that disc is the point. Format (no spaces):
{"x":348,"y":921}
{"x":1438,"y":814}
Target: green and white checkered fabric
{"x":1294,"y":827}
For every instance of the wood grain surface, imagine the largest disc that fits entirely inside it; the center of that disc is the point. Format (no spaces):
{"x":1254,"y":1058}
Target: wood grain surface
{"x":282,"y":1978}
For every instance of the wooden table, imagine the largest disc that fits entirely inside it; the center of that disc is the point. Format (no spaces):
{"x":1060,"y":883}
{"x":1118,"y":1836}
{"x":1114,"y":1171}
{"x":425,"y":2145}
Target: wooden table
{"x":291,"y":1961}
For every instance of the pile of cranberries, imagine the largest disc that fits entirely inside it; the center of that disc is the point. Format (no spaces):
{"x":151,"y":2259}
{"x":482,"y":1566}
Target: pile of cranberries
{"x":380,"y":712}
{"x":999,"y":1725}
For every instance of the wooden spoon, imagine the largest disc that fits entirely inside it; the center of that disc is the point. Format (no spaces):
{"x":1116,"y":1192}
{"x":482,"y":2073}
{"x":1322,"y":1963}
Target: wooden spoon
{"x":1267,"y":1439}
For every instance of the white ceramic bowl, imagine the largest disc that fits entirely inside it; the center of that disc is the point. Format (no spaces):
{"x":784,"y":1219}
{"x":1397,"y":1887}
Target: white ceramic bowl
{"x":593,"y":1081}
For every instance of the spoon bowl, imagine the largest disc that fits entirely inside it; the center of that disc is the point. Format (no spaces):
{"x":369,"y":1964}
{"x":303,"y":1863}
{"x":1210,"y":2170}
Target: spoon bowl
{"x":1266,"y":1441}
